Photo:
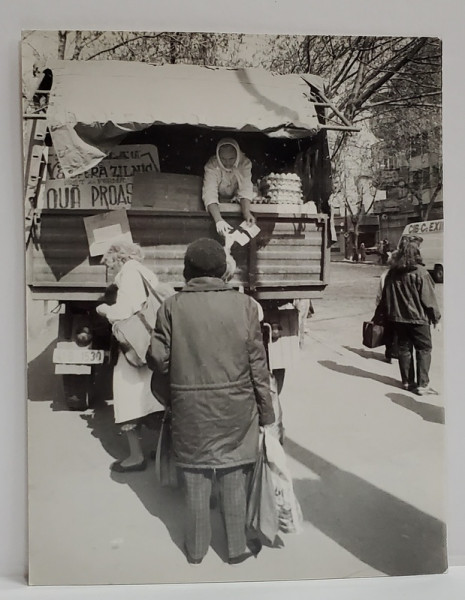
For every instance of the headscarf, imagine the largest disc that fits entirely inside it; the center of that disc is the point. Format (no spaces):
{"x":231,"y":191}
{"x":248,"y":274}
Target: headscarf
{"x":235,"y":145}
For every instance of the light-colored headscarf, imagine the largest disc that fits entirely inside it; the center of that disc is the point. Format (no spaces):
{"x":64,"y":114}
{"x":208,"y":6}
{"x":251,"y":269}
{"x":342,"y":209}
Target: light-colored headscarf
{"x":235,"y":145}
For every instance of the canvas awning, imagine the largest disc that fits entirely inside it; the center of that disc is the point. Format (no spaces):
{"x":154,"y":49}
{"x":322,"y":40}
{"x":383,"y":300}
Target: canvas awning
{"x":95,"y":103}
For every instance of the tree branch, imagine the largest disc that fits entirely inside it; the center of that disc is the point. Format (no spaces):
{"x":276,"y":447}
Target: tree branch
{"x":116,"y":46}
{"x":375,"y":86}
{"x":401,"y":99}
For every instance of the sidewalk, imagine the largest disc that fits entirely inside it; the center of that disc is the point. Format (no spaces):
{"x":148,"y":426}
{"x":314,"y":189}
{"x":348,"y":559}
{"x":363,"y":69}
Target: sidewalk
{"x":366,"y":458}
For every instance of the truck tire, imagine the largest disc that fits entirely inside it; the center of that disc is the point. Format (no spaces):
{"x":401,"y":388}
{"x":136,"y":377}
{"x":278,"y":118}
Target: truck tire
{"x":438,"y":273}
{"x":77,"y":389}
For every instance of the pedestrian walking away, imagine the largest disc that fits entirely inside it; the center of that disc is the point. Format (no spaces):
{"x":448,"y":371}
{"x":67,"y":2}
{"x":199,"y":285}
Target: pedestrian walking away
{"x":390,"y":336}
{"x":208,"y":339}
{"x":385,"y":249}
{"x":409,"y":303}
{"x":362,"y":252}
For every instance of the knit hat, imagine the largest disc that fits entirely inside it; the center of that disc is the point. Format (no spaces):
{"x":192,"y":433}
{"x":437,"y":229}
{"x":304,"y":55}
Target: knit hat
{"x":204,"y":258}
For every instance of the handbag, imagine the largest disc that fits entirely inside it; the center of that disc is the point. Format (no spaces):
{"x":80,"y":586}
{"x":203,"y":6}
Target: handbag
{"x":165,"y":464}
{"x":374,"y":331}
{"x":373,"y":334}
{"x":134,"y":333}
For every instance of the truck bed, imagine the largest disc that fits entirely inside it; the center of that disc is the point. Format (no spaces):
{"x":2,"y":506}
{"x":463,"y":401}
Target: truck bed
{"x":287,"y":260}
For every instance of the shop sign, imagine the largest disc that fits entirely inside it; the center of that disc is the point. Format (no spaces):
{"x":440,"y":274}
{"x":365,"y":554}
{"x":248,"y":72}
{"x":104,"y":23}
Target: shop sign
{"x":107,"y":186}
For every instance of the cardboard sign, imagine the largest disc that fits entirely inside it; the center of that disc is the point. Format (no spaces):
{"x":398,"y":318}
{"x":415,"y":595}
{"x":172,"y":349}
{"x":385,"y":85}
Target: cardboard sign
{"x":243,"y":234}
{"x":107,"y":186}
{"x":105,"y":229}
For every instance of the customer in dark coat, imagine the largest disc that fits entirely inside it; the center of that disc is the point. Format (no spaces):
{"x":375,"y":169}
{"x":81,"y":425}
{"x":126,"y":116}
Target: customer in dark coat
{"x":409,"y":303}
{"x":208,"y":339}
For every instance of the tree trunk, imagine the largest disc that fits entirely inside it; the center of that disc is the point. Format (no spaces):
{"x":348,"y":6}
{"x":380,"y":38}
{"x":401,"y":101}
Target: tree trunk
{"x":77,"y":45}
{"x":172,"y":51}
{"x":62,"y":36}
{"x":432,"y":200}
{"x":356,"y":234}
{"x":346,"y":234}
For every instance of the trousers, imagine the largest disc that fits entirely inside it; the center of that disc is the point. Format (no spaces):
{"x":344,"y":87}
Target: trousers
{"x":232,"y":491}
{"x":412,"y":337}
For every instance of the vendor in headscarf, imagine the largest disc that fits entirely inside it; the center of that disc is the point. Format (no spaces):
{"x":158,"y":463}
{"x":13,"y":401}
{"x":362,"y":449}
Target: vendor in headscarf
{"x":228,"y":178}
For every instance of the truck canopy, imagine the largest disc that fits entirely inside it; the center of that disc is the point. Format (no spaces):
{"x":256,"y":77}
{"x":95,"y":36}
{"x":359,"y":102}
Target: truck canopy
{"x":95,"y":104}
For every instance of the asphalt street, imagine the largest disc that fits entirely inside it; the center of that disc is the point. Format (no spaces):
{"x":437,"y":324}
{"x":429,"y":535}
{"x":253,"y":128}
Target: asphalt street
{"x":366,"y":459}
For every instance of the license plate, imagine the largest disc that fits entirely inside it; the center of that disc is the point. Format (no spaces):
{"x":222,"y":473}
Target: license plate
{"x":78,"y":356}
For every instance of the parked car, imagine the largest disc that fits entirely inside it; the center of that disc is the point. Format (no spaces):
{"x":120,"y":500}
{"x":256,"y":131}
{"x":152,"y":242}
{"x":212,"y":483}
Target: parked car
{"x":372,"y":250}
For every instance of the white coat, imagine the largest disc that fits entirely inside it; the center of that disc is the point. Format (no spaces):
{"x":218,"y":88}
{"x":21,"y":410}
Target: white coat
{"x":132,"y":397}
{"x":221,"y":184}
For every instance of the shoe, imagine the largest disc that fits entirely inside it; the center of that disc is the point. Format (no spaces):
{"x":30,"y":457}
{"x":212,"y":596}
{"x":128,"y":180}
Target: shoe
{"x":190,"y":560}
{"x":426,"y":391}
{"x":237,"y":560}
{"x":117,"y":467}
{"x":410,"y":387}
{"x":255,"y":546}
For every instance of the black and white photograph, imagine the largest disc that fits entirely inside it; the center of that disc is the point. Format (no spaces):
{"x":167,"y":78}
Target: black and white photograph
{"x":234,"y":294}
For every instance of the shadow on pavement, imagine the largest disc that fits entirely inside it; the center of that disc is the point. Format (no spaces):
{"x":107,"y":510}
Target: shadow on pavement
{"x":349,"y":370}
{"x":376,"y":527}
{"x":428,"y":412}
{"x":164,"y":503}
{"x":366,"y":353}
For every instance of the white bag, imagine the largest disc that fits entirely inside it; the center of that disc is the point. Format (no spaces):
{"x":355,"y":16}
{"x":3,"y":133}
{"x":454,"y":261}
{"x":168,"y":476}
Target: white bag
{"x":289,"y":511}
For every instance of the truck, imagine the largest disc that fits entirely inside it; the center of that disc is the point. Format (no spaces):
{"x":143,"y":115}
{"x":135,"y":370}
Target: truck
{"x":431,"y":234}
{"x":121,"y":146}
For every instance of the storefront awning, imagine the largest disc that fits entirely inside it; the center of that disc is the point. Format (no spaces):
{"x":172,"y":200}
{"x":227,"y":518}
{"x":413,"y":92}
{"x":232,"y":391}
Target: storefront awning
{"x":94,"y":104}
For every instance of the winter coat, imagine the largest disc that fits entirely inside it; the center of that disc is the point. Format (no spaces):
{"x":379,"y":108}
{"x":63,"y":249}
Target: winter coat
{"x":408,"y":297}
{"x":208,"y":339}
{"x":221,"y":184}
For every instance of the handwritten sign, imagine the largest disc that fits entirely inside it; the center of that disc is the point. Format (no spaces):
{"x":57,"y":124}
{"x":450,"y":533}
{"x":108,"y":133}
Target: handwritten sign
{"x":108,"y":185}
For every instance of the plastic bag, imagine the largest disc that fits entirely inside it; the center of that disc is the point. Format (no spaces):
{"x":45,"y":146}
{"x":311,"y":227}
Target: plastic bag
{"x":287,"y":506}
{"x":262,"y":514}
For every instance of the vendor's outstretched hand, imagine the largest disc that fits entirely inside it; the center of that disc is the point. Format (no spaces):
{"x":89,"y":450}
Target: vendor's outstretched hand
{"x":249,"y":218}
{"x":223,"y":228}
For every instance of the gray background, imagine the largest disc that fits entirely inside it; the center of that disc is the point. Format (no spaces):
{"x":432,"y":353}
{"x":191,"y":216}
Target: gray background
{"x":444,"y":19}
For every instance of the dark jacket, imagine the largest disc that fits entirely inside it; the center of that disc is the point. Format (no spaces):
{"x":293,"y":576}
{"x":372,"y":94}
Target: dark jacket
{"x":408,"y":297}
{"x":208,"y":339}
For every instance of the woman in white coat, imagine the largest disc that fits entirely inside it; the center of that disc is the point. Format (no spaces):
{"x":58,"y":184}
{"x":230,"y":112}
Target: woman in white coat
{"x":132,"y":397}
{"x":228,"y":178}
